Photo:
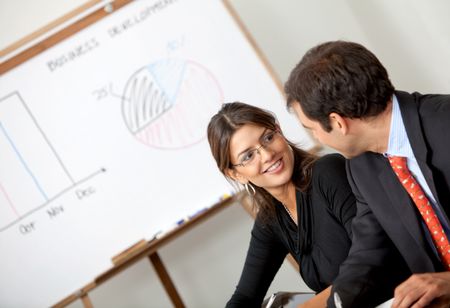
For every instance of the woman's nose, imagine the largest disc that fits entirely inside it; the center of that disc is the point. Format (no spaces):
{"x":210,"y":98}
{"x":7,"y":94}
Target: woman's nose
{"x":266,"y":153}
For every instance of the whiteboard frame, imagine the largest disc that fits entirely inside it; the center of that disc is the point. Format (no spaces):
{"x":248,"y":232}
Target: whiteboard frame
{"x":78,"y":20}
{"x":68,"y":25}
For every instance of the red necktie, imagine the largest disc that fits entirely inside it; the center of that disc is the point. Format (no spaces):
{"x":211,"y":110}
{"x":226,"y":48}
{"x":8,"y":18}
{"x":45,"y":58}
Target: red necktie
{"x":413,"y":188}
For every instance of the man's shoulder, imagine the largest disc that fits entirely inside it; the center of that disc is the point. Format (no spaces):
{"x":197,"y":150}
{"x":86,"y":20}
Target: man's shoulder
{"x":426,"y":104}
{"x":368,"y":163}
{"x":365,"y":158}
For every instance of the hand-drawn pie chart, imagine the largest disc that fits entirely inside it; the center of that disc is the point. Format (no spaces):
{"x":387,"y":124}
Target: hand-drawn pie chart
{"x":169,"y":103}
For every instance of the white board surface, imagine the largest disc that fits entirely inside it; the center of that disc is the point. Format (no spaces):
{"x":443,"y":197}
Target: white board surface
{"x":103,"y":139}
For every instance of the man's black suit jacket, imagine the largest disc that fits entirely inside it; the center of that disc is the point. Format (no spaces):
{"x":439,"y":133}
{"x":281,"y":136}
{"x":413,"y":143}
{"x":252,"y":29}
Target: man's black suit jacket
{"x":387,"y":230}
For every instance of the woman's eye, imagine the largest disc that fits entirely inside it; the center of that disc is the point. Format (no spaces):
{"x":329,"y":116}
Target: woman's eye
{"x":268,"y":137}
{"x":248,"y":156}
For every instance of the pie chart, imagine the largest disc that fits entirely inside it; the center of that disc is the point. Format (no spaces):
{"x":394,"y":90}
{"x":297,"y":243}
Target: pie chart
{"x":168,"y":104}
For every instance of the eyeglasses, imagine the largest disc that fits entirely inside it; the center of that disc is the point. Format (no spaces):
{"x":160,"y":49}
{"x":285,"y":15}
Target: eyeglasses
{"x":248,"y":158}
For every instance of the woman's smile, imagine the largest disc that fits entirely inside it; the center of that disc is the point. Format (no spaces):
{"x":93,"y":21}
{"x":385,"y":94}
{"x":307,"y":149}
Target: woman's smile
{"x":275,"y":167}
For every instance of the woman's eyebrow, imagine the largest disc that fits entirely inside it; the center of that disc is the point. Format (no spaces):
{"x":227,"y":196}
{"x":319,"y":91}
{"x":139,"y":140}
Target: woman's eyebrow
{"x":247,"y":149}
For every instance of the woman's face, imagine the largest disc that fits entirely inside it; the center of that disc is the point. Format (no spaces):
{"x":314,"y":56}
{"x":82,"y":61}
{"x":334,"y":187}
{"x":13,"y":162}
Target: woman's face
{"x":261,"y":156}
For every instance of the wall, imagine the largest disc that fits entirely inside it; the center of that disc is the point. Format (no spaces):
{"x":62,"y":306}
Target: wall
{"x":412,"y":39}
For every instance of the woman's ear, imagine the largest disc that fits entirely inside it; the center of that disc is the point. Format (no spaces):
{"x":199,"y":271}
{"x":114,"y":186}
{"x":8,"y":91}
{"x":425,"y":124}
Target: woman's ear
{"x":235,"y":175}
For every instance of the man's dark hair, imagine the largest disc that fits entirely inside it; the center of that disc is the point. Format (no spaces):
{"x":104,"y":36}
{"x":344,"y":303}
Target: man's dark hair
{"x":341,"y":77}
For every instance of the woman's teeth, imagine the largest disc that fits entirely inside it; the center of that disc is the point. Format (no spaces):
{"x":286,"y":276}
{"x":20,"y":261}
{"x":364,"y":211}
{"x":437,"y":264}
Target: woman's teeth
{"x":274,"y":166}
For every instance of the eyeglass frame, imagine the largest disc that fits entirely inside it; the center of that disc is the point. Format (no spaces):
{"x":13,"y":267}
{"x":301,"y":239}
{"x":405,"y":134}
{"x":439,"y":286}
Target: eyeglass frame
{"x":257,"y":149}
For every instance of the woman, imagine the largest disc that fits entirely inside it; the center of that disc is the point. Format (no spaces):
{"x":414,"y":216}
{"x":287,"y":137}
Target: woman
{"x":304,"y":203}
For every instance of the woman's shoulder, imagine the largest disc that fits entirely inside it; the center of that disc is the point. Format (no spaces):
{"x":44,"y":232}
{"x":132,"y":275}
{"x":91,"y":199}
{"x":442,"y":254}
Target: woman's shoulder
{"x":329,"y":178}
{"x":329,"y":164}
{"x":329,"y":174}
{"x":265,"y":222}
{"x":267,"y":230}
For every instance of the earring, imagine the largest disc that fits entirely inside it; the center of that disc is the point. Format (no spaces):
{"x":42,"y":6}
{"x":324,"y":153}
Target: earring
{"x":251,"y":191}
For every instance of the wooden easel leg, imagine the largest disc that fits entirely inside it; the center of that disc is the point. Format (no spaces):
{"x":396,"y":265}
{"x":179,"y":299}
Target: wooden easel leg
{"x":166,"y":281}
{"x":86,"y":301}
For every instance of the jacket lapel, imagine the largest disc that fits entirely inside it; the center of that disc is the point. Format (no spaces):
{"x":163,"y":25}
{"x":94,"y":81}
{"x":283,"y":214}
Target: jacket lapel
{"x":402,"y":204}
{"x":410,"y":116}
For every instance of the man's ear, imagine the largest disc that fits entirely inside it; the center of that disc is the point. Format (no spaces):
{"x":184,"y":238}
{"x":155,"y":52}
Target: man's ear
{"x":235,"y":175}
{"x":339,"y":123}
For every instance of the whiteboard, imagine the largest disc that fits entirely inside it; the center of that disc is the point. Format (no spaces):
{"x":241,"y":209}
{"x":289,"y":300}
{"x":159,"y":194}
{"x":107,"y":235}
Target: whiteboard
{"x":103,"y":139}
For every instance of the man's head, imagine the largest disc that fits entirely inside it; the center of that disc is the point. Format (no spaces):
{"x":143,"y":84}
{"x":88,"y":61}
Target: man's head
{"x":334,"y":82}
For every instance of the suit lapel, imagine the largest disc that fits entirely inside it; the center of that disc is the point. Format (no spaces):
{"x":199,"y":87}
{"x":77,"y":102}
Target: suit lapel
{"x":410,"y":116}
{"x":402,"y":204}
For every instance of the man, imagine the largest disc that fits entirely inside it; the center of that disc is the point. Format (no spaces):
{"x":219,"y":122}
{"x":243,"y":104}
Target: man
{"x":342,"y":93}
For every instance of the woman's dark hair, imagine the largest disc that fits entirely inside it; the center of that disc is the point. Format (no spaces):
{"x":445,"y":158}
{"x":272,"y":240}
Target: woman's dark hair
{"x":341,"y":77}
{"x":226,"y":122}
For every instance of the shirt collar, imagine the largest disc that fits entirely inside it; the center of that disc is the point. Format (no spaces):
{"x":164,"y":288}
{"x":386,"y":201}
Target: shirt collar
{"x":398,"y":143}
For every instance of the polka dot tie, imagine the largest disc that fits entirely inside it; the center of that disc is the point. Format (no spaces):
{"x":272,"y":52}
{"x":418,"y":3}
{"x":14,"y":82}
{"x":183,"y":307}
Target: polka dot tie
{"x":416,"y":193}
